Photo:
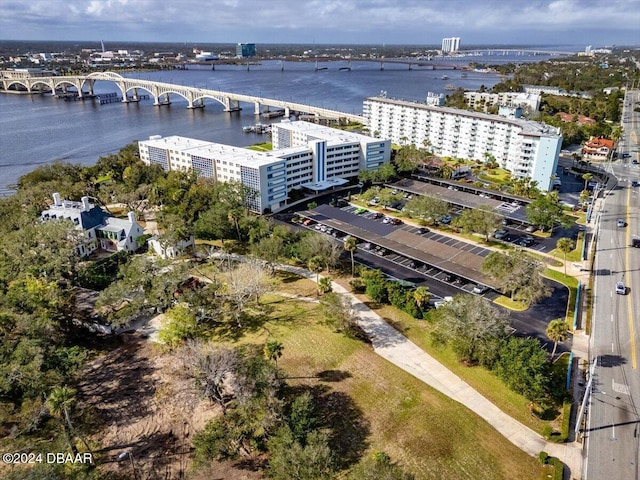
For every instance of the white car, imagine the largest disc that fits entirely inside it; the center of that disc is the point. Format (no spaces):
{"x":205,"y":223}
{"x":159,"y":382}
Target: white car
{"x":480,"y":289}
{"x":621,"y":289}
{"x":621,"y":222}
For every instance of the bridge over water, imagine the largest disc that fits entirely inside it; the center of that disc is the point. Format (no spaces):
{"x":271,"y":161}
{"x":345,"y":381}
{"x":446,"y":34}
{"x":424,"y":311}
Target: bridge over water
{"x":160,"y":92}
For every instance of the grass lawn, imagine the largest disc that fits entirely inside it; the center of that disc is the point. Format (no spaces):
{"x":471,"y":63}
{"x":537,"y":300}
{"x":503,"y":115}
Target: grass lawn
{"x":497,"y":175}
{"x":485,"y":382}
{"x":574,"y":255}
{"x":261,"y":147}
{"x":429,"y":434}
{"x":506,"y":302}
{"x":571,"y":283}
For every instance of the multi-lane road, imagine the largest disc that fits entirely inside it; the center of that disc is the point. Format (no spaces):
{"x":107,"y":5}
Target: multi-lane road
{"x":613,"y":423}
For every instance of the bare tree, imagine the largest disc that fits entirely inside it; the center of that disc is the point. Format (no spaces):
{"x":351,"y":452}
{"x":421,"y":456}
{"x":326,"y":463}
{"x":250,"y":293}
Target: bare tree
{"x":246,"y":282}
{"x":213,"y":369}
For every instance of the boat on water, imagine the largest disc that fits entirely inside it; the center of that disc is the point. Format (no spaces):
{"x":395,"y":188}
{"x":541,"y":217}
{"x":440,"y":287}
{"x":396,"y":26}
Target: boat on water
{"x":444,"y":77}
{"x":450,"y":87}
{"x":257,"y":128}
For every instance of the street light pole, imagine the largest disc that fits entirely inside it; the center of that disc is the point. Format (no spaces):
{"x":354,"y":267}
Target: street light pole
{"x":587,"y":394}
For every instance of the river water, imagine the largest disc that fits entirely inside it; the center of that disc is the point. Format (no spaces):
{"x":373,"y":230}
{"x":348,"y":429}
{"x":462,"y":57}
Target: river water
{"x":39,"y":129}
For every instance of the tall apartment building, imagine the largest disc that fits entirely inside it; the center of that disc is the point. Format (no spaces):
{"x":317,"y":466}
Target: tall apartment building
{"x":450,"y":45}
{"x":531,"y":101}
{"x":527,"y":149}
{"x":244,"y":50}
{"x":304,"y":155}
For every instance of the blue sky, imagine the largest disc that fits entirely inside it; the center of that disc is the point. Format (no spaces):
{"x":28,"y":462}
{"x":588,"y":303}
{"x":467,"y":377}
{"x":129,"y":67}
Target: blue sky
{"x":422,"y":22}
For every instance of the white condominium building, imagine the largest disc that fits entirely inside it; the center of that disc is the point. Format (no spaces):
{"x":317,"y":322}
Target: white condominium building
{"x":527,"y":149}
{"x":483,"y":100}
{"x":304,"y":155}
{"x":451,"y":44}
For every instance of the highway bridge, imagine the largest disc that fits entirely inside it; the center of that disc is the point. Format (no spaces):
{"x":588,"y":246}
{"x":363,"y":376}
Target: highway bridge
{"x":160,"y":92}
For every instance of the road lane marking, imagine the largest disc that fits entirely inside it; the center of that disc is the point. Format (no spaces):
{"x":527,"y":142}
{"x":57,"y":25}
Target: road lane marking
{"x":632,"y":334}
{"x":620,"y":387}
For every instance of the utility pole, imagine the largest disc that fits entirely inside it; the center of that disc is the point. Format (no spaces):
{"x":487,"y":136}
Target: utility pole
{"x":587,"y":394}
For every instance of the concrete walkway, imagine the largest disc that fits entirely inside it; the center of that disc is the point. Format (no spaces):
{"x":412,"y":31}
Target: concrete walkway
{"x":397,"y":349}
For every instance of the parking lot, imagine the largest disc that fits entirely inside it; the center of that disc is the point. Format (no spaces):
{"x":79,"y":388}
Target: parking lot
{"x":443,"y":258}
{"x":465,"y":196}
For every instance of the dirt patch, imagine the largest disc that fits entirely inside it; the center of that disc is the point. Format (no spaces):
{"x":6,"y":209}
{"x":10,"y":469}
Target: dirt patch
{"x":143,"y":415}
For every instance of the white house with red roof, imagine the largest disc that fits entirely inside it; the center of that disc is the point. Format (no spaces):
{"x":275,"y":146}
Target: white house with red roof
{"x":597,"y":148}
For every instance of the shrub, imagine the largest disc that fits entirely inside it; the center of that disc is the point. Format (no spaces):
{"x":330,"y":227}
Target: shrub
{"x":357,"y":285}
{"x":558,"y":468}
{"x":543,"y":457}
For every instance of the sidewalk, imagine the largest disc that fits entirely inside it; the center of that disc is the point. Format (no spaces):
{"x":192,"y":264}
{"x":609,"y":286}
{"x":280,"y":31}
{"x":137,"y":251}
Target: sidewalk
{"x":397,"y":349}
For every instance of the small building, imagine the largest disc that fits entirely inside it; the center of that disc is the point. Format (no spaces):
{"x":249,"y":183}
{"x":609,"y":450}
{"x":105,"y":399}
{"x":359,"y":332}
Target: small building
{"x":169,"y":250}
{"x":102,"y":231}
{"x":597,"y":148}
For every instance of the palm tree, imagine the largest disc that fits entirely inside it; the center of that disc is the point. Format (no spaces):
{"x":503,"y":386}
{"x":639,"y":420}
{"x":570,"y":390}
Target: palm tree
{"x":324,"y":285}
{"x":60,"y":402}
{"x":273,"y":350}
{"x":316,"y":265}
{"x":586,"y":177}
{"x":422,"y":295}
{"x":558,"y":332}
{"x":350,"y":245}
{"x":565,"y":245}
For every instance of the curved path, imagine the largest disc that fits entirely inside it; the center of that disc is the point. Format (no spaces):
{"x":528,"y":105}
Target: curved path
{"x":399,"y":350}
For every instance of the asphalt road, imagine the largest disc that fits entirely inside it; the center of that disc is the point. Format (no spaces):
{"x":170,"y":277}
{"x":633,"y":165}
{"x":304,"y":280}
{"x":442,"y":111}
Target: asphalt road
{"x":613,"y":423}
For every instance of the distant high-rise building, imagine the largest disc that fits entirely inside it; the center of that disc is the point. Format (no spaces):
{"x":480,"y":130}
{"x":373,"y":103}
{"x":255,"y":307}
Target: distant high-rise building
{"x":244,"y":50}
{"x":450,"y":44}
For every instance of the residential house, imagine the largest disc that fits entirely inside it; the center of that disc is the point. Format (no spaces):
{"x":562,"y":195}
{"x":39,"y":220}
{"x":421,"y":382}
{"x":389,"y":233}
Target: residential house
{"x":102,"y":231}
{"x":597,"y":148}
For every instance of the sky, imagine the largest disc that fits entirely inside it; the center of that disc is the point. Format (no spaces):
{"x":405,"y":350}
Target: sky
{"x":414,"y":22}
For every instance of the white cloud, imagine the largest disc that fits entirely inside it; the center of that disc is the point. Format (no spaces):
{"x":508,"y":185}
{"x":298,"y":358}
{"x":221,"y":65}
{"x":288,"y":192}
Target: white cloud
{"x":372,"y":21}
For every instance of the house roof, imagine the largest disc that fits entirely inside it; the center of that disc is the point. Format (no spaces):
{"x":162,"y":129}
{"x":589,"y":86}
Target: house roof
{"x":582,"y":120}
{"x":600,"y":142}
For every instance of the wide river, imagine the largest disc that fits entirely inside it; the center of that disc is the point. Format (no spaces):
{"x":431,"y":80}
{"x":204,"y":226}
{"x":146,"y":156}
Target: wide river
{"x":39,"y":129}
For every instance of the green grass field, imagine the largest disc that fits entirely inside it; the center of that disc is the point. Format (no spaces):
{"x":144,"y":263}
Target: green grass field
{"x":429,"y":434}
{"x":485,"y":382}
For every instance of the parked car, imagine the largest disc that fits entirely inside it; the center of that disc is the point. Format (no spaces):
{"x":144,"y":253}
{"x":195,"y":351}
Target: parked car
{"x":386,"y":220}
{"x":423,"y":230}
{"x":377,"y":215}
{"x":360,"y":211}
{"x":500,"y":234}
{"x":530,"y":229}
{"x":527,"y":241}
{"x":505,"y":221}
{"x":480,"y":289}
{"x":621,"y":289}
{"x":395,"y":221}
{"x":446,"y":220}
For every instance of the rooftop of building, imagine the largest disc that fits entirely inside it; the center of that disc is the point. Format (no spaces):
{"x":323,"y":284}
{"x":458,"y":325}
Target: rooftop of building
{"x":598,"y":142}
{"x":325,"y":133}
{"x":528,"y":127}
{"x":252,"y":158}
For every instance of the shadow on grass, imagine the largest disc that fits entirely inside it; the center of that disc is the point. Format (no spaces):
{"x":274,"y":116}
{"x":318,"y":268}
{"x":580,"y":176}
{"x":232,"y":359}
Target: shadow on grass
{"x":338,"y":412}
{"x":333,"y":375}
